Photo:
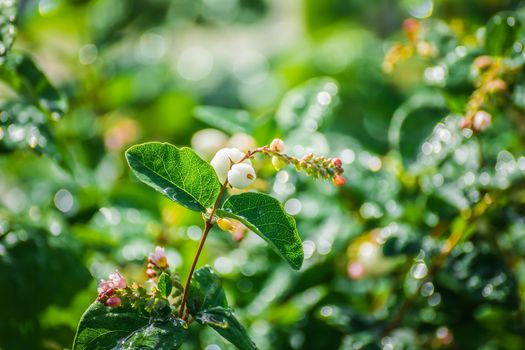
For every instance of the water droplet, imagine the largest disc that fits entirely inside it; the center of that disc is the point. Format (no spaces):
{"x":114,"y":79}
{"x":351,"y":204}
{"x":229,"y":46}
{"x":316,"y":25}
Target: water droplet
{"x":419,"y":270}
{"x":327,"y":311}
{"x":427,"y":289}
{"x":308,"y":249}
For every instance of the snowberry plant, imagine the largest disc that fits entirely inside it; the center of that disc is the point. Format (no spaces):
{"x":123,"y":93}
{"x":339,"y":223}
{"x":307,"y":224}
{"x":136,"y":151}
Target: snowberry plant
{"x":158,"y":316}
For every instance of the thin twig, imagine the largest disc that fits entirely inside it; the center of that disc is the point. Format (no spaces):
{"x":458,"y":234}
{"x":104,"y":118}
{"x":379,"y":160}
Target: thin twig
{"x":208,"y":224}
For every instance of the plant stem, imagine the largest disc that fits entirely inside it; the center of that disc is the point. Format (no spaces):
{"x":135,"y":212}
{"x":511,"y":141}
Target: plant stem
{"x":208,"y":224}
{"x":207,"y":227}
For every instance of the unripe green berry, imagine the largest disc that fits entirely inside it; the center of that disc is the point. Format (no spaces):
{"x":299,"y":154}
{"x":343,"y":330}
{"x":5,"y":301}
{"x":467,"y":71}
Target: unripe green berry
{"x":278,"y":163}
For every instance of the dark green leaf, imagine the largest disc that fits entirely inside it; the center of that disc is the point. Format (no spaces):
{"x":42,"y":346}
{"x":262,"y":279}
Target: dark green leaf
{"x":7,"y":27}
{"x":402,"y":241}
{"x":480,"y":275}
{"x":22,"y":74}
{"x":205,"y":291}
{"x":229,"y":120}
{"x":224,"y":322}
{"x":501,"y":33}
{"x":24,"y":126}
{"x":102,"y":328}
{"x":177,"y":173}
{"x":164,"y":285}
{"x":35,"y":260}
{"x":265,"y":216}
{"x":413,"y":123}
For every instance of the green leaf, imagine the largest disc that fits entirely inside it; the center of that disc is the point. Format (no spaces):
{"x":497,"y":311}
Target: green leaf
{"x":8,"y":12}
{"x":177,"y":173}
{"x":164,"y":285}
{"x":224,"y":322}
{"x":208,"y":304}
{"x":229,"y":120}
{"x":102,"y":328}
{"x":205,"y":291}
{"x":502,"y":31}
{"x":22,"y":74}
{"x":265,"y":216}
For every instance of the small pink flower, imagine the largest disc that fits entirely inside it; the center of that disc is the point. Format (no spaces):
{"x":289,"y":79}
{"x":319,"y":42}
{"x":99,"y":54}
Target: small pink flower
{"x":159,"y":258}
{"x":118,"y":280}
{"x":114,"y":302}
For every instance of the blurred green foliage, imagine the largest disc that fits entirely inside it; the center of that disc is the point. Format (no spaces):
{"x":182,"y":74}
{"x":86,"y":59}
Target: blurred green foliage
{"x":422,"y":249}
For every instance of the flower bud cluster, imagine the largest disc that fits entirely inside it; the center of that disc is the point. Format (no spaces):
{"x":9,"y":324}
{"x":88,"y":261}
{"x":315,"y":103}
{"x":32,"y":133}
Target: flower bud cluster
{"x":108,"y":290}
{"x":312,"y":165}
{"x":416,"y":44}
{"x":116,"y":292}
{"x":490,"y":85}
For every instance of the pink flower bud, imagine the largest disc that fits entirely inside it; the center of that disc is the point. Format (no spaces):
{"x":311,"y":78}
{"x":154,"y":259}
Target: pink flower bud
{"x":482,"y":121}
{"x":151,"y":273}
{"x":277,"y":145}
{"x":339,"y":180}
{"x":465,"y":123}
{"x":356,"y":270}
{"x":114,"y":302}
{"x":496,"y":86}
{"x":411,"y":27}
{"x":483,"y":62}
{"x":119,"y":282}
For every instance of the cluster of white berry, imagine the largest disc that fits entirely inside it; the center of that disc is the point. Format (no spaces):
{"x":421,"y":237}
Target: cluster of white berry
{"x":233,"y":165}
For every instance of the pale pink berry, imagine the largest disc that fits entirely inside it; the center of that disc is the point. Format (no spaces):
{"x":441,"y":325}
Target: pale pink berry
{"x":482,"y":121}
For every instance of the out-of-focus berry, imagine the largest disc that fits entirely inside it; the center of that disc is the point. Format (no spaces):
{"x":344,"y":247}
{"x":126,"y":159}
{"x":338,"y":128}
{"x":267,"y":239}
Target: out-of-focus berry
{"x":278,"y":163}
{"x":207,"y":142}
{"x":242,"y":141}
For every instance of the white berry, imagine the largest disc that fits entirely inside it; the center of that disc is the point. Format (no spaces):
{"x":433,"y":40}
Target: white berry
{"x":241,"y":175}
{"x":223,"y":160}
